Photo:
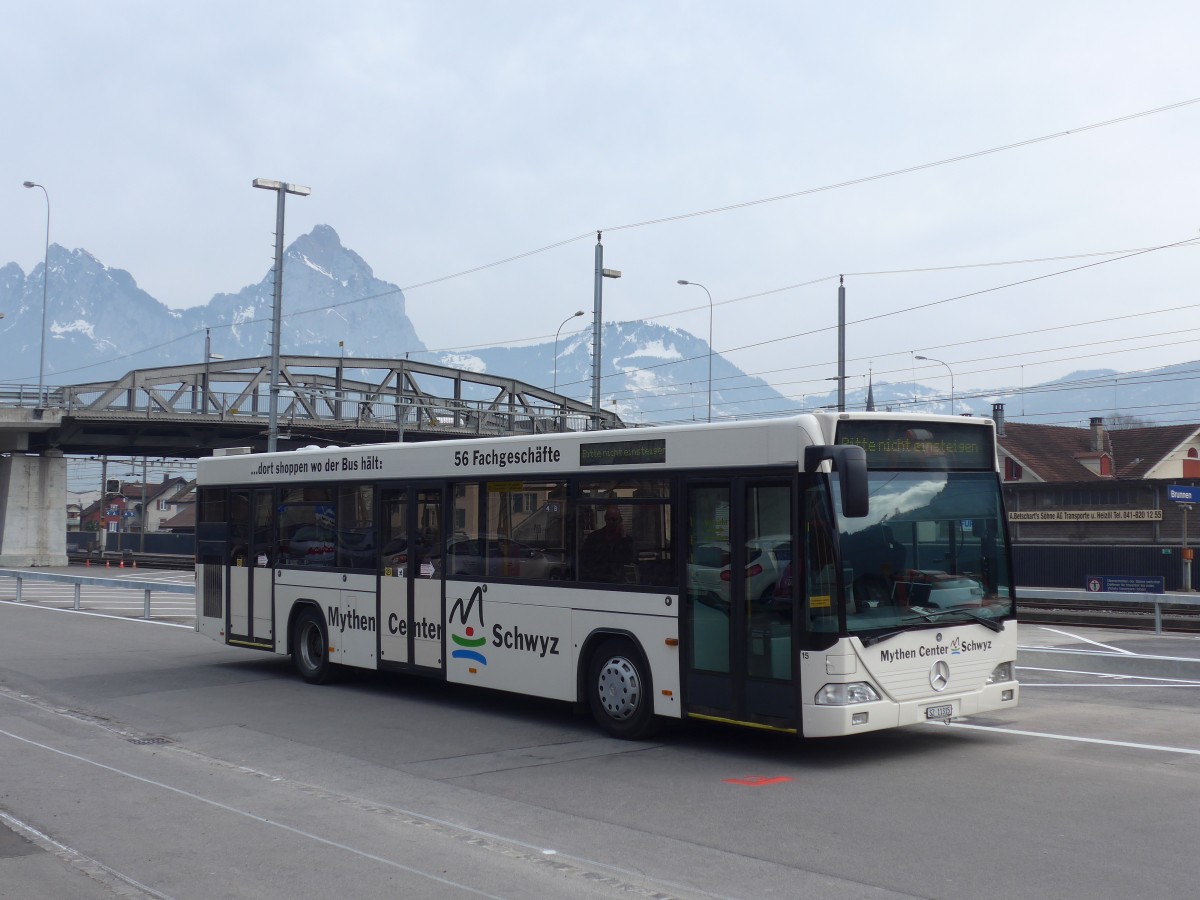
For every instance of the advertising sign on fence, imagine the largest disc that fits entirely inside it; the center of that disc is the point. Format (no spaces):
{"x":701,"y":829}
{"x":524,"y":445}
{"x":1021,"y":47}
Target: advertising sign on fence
{"x":1087,"y":515}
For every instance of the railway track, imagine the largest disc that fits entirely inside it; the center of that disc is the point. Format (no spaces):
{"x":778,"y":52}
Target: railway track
{"x":142,"y":560}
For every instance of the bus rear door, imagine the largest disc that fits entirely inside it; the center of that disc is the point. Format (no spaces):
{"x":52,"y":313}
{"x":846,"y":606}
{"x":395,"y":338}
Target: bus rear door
{"x":250,"y":615}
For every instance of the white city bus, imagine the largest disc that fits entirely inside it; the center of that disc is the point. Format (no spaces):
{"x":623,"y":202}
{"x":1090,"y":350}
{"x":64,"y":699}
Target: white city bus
{"x":822,"y":575}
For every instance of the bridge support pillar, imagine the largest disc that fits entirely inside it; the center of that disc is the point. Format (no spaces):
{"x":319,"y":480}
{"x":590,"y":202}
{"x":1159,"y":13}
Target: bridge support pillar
{"x":33,"y":502}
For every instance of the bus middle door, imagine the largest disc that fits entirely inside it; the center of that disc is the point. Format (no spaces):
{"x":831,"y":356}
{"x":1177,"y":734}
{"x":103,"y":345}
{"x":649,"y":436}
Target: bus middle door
{"x":740,"y":620}
{"x":411,"y":586}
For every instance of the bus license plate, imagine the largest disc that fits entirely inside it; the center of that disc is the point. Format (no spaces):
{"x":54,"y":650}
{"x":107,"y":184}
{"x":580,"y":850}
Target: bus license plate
{"x":939,"y":712}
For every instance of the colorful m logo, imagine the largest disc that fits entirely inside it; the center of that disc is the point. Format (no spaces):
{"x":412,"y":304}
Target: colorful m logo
{"x":467,"y":641}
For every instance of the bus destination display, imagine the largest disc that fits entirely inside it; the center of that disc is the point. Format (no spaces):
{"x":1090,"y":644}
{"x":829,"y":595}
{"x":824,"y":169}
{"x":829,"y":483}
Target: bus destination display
{"x":921,"y":445}
{"x":623,"y":453}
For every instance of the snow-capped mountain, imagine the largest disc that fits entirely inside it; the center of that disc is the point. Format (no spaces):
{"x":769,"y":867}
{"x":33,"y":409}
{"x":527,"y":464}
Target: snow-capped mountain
{"x":331,"y":295}
{"x":101,"y":325}
{"x":651,"y":373}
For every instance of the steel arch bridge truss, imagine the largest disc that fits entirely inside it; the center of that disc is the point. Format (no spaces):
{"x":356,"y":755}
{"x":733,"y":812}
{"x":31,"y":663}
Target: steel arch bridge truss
{"x":319,"y":395}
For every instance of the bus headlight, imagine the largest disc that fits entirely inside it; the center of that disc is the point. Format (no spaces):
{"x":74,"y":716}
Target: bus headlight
{"x":845,"y":694}
{"x":1002,"y":672}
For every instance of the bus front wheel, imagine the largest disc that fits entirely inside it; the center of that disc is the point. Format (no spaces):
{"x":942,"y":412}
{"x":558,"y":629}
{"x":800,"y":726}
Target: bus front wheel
{"x":310,"y":648}
{"x":619,"y":690}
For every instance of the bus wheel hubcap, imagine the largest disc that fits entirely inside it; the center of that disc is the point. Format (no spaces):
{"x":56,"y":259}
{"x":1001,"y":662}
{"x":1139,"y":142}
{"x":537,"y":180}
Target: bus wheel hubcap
{"x":620,"y":688}
{"x":311,"y":647}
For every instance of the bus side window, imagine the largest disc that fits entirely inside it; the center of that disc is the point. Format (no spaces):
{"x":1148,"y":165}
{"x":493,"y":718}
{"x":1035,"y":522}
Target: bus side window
{"x":652,"y":539}
{"x":239,"y":528}
{"x":819,"y":568}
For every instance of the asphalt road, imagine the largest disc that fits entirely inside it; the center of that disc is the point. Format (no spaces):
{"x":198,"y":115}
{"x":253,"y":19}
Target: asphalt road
{"x":141,"y":760}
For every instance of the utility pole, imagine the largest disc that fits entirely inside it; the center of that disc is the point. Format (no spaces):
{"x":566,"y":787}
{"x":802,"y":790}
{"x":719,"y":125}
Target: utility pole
{"x":841,"y":375}
{"x":280,"y":188}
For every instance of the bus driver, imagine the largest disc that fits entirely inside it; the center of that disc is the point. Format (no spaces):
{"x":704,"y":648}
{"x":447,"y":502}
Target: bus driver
{"x":607,"y":551}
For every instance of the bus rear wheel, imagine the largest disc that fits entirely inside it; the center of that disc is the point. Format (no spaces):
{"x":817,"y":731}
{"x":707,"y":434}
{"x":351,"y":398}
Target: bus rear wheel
{"x":310,"y":648}
{"x":619,"y":690}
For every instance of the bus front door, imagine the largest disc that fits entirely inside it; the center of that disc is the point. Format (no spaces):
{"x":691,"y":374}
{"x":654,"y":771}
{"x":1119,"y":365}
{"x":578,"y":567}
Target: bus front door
{"x":251,"y":550}
{"x":739,"y":616}
{"x":411,"y":585}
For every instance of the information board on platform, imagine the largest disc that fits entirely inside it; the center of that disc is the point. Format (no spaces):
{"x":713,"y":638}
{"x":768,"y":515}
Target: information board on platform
{"x":1125,"y":584}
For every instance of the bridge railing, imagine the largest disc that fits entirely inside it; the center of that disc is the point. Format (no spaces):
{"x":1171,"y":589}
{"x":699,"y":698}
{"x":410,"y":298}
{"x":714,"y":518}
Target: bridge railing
{"x":26,"y":395}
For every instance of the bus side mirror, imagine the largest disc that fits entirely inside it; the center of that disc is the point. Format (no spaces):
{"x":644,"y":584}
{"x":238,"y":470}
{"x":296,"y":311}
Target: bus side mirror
{"x":850,"y":462}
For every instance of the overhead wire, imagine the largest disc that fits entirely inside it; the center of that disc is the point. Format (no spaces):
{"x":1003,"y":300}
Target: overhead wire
{"x":689,"y":215}
{"x":778,"y":385}
{"x":904,"y":310}
{"x":1126,"y":379}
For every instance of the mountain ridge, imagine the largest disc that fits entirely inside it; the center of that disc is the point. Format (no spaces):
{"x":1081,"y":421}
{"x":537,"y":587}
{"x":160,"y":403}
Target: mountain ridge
{"x":653,"y":373}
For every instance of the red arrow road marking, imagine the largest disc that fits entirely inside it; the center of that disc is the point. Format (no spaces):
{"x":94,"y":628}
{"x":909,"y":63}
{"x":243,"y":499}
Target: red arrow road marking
{"x":757,"y":780}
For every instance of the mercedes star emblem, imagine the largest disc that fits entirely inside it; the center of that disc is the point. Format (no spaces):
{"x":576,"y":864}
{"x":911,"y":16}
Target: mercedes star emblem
{"x":939,"y":675}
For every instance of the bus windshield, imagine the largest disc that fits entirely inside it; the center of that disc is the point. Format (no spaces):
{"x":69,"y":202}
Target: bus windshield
{"x":931,"y":550}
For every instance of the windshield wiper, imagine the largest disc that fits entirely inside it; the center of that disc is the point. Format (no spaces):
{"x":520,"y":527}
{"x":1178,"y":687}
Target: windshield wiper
{"x":931,"y":616}
{"x":879,"y":638}
{"x":982,"y":620}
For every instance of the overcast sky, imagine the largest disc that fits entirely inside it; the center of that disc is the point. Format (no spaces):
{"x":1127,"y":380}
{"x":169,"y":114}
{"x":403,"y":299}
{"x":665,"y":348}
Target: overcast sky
{"x":438,"y":137}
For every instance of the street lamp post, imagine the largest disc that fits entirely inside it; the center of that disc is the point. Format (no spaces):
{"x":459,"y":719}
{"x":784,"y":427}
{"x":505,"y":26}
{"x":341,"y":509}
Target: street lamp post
{"x":45,"y":283}
{"x":573,"y":315}
{"x":597,"y":324}
{"x":280,"y":188}
{"x":948,"y":369}
{"x":710,"y":338}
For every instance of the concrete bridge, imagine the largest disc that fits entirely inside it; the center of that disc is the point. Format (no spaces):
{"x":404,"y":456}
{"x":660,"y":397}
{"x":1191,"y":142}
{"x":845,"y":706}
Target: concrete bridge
{"x":188,"y":411}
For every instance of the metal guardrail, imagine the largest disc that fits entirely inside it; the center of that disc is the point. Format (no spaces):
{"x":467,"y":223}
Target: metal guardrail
{"x":1069,"y":595}
{"x":80,"y":581}
{"x":1075,"y":595}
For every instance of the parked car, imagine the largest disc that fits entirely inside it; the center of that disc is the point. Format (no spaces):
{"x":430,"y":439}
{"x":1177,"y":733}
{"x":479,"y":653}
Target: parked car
{"x":939,"y":589}
{"x":356,"y":549}
{"x":502,"y":557}
{"x":704,"y":571}
{"x":766,"y":559}
{"x":399,"y":551}
{"x":310,"y":545}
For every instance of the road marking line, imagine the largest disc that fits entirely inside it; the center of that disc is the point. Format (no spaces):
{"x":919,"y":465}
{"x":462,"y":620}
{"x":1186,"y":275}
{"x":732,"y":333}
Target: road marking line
{"x":1087,"y":641}
{"x":249,"y":815}
{"x":1184,"y":681}
{"x":1072,"y":738}
{"x":1052,"y":684}
{"x":84,"y":612}
{"x":74,"y":857}
{"x":1095,"y":653}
